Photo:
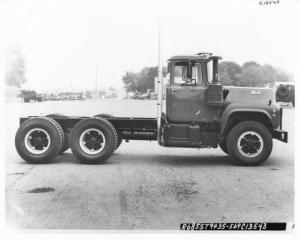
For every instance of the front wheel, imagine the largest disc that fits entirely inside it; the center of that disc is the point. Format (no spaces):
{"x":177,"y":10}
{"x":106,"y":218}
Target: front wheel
{"x":249,"y":143}
{"x":223,"y":146}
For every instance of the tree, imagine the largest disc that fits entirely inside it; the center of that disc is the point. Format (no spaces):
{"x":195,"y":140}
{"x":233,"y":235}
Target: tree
{"x":146,"y":78}
{"x":231,"y":69}
{"x":269,"y":74}
{"x":250,"y":64}
{"x":15,"y":71}
{"x":141,"y":81}
{"x":283,"y":76}
{"x":130,"y":80}
{"x":251,"y":76}
{"x":225,"y":79}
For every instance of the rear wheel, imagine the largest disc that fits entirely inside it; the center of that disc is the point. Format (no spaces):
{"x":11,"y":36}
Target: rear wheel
{"x":56,"y":115}
{"x":39,"y":140}
{"x":66,"y":145}
{"x":249,"y":143}
{"x":93,"y":140}
{"x":106,"y":115}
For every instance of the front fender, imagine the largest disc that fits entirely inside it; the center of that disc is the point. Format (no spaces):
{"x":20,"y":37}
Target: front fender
{"x":243,"y":108}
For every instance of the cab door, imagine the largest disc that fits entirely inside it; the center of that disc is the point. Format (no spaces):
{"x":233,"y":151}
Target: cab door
{"x":186,"y":97}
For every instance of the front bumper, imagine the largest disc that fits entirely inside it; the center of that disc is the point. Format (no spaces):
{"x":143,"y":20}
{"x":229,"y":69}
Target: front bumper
{"x":280,"y":135}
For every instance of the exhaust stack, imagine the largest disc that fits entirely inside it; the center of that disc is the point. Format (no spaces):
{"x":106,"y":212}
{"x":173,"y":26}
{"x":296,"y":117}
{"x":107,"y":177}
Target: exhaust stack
{"x":159,"y":84}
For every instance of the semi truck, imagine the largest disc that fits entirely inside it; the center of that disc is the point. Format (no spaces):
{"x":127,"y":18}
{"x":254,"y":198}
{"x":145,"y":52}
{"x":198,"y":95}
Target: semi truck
{"x":195,"y":112}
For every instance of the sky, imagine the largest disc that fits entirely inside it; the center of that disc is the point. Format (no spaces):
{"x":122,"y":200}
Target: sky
{"x":66,"y":42}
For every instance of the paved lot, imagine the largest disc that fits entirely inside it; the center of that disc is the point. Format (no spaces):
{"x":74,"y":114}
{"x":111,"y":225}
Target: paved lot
{"x":143,"y":186}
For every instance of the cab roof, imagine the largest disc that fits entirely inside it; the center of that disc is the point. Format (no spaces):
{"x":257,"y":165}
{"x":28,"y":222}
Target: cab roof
{"x":196,"y":57}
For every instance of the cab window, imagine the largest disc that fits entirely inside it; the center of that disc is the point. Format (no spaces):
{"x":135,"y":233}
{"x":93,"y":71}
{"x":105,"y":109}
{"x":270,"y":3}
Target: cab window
{"x":210,"y":71}
{"x":181,"y":74}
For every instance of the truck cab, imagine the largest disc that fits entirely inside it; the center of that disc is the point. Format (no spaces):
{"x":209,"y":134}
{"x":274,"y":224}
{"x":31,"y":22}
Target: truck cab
{"x":197,"y":113}
{"x":194,"y":93}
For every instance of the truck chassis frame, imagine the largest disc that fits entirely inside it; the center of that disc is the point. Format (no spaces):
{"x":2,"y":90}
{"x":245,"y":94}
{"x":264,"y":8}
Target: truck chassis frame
{"x":129,"y":128}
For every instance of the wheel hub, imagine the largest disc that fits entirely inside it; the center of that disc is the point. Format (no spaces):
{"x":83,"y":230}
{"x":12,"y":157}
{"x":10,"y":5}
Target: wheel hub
{"x":92,"y":141}
{"x":37,"y":141}
{"x":250,"y":144}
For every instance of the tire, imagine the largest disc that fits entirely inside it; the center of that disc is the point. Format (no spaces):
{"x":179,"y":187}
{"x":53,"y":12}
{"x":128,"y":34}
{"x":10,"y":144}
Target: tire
{"x":282,"y":91}
{"x":223,"y":146}
{"x":106,"y":115}
{"x":120,"y":140}
{"x":56,"y":115}
{"x":66,"y":145}
{"x":93,"y":140}
{"x":39,"y":140}
{"x":253,"y":151}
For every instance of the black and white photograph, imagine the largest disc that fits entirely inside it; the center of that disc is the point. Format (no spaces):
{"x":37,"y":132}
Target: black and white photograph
{"x":154,"y":116}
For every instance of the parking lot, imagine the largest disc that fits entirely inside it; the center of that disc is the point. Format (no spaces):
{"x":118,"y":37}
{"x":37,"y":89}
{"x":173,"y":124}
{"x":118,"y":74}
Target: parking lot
{"x":143,"y":185}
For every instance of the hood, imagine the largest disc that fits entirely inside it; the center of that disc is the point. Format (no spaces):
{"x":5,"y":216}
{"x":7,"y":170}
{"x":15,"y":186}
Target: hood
{"x":252,"y":94}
